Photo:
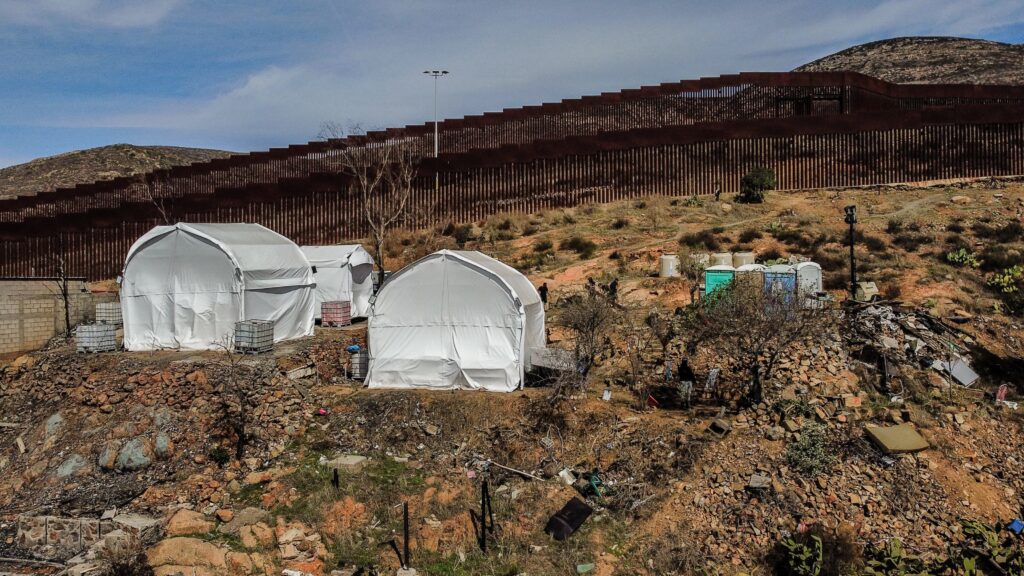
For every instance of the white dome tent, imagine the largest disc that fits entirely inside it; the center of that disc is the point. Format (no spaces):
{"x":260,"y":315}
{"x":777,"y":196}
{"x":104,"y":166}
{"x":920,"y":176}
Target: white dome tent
{"x":454,"y":320}
{"x":184,"y":286}
{"x":343,"y":273}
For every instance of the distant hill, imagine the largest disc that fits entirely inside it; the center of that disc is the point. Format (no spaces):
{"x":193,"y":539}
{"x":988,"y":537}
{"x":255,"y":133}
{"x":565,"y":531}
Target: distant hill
{"x":83,"y":166}
{"x":930,"y":60}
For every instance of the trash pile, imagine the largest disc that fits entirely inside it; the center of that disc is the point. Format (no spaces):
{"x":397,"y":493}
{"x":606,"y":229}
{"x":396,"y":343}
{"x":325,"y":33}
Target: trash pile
{"x":892,"y":343}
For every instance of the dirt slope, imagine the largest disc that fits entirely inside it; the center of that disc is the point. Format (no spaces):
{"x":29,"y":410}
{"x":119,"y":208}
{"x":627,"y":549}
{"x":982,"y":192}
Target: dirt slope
{"x":930,"y":60}
{"x":65,"y":170}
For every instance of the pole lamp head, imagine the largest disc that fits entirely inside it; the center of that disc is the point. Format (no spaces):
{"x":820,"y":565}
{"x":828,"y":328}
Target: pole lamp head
{"x":851,"y":214}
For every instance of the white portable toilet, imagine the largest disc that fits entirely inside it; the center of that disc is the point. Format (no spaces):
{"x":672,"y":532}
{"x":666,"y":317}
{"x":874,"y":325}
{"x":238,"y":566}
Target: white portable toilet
{"x":751,"y":273}
{"x":808,"y":280}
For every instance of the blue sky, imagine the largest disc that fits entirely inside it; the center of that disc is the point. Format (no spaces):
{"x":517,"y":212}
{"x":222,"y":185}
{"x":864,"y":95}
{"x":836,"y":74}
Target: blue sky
{"x":250,"y":74}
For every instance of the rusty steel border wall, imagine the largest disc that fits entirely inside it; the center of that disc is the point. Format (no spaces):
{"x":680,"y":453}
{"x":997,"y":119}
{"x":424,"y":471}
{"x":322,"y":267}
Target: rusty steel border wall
{"x":814,"y":129}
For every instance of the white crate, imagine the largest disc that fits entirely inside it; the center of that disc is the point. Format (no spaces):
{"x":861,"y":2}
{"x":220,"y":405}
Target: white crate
{"x":96,"y":337}
{"x":254,"y":336}
{"x":109,"y":313}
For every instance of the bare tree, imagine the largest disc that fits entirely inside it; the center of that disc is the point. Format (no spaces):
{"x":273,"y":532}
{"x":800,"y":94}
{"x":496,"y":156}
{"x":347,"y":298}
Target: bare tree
{"x":640,"y":341}
{"x":152,"y":185}
{"x":60,"y":272}
{"x":755,"y":327}
{"x":588,"y":318}
{"x":382,"y":174}
{"x":330,"y":130}
{"x":691,"y":268}
{"x":234,"y":391}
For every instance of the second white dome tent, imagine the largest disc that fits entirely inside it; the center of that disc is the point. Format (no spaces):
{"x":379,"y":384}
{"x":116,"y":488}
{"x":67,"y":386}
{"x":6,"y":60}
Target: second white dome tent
{"x":454,"y":320}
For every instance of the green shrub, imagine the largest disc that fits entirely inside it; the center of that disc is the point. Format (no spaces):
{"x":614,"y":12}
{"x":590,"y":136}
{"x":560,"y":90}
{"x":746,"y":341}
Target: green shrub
{"x":995,"y":258}
{"x":1011,"y":232}
{"x":543,"y":246}
{"x":220,"y":455}
{"x":910,"y":242}
{"x":873,"y":243}
{"x":962,"y":257}
{"x":580,"y":245}
{"x":704,"y":238}
{"x":802,"y":558}
{"x":811,"y":455}
{"x":1006,"y":281}
{"x":893,"y":560}
{"x":755,"y":184}
{"x":749,"y":235}
{"x":894,"y":226}
{"x":620,"y":223}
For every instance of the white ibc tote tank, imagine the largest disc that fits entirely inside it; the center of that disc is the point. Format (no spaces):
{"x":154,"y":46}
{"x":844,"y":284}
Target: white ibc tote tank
{"x":669,"y":266}
{"x":721,"y":259}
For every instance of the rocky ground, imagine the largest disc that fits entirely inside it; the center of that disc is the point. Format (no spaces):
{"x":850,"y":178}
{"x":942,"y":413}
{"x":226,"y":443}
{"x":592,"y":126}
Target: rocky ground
{"x":93,"y":446}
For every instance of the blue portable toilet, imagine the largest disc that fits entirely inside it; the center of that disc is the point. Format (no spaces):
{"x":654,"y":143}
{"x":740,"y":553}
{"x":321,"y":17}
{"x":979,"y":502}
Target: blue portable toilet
{"x":780,"y":279}
{"x":716,"y":277}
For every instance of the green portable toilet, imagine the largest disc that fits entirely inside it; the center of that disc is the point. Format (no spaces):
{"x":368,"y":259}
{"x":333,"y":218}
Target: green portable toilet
{"x":716,"y":277}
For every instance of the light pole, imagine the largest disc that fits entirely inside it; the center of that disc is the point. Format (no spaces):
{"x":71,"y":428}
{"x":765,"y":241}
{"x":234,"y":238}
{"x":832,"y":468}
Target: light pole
{"x":436,"y":74}
{"x":437,"y":174}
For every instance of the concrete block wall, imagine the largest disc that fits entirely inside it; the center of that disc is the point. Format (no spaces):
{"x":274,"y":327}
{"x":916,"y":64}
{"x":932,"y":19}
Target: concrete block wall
{"x":54,"y":537}
{"x":32,"y":312}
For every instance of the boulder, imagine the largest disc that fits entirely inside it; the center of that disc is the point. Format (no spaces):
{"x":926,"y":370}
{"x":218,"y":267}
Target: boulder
{"x":244,"y":517}
{"x":74,"y":465}
{"x":258,"y":535}
{"x":54,"y":424}
{"x":107,"y":459}
{"x":188,"y":556}
{"x":162,"y":446}
{"x":136,"y":454}
{"x":185,"y":522}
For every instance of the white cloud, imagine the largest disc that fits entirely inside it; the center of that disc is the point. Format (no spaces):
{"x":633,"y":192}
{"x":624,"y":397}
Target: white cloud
{"x":511,"y":55}
{"x":100,"y":13}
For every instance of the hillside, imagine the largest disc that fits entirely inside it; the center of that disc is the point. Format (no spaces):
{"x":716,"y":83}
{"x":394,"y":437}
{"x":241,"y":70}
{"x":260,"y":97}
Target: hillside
{"x":103,"y":163}
{"x":930,"y":60}
{"x":706,"y":488}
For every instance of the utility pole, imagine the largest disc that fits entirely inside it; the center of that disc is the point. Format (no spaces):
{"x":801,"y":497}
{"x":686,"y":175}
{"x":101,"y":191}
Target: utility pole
{"x":851,"y":219}
{"x":436,"y":74}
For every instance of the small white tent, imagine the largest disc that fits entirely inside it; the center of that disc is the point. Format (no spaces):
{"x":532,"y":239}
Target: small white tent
{"x":454,"y":320}
{"x":184,"y":286}
{"x":343,"y":273}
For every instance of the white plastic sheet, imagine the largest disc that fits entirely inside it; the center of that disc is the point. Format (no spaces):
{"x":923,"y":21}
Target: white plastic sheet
{"x":343,"y":273}
{"x":454,"y":320}
{"x":185,"y":286}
